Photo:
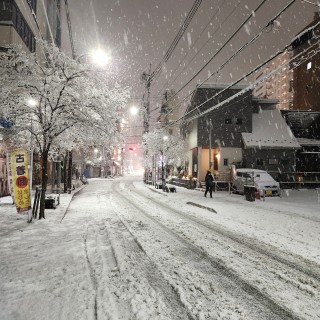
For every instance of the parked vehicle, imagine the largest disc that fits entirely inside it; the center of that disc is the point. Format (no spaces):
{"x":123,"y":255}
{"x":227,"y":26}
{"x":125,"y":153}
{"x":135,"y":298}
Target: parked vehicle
{"x":260,"y":179}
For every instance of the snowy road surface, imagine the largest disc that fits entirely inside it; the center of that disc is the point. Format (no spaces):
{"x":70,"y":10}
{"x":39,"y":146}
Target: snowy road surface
{"x":125,"y":250}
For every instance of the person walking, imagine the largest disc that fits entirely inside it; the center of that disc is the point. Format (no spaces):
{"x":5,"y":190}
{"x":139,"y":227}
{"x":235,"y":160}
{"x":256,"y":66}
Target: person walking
{"x":209,"y":183}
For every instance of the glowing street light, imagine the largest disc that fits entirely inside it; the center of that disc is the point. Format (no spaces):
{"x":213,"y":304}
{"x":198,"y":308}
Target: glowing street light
{"x":134,"y":110}
{"x":31,"y":102}
{"x":100,"y":57}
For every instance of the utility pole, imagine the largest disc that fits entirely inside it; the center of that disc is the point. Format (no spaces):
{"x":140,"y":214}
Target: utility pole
{"x":210,"y":143}
{"x":146,"y":79}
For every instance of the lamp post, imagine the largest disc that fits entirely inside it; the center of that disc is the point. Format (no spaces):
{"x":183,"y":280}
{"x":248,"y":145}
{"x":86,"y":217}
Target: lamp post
{"x":209,"y":123}
{"x":165,"y":138}
{"x":99,"y":58}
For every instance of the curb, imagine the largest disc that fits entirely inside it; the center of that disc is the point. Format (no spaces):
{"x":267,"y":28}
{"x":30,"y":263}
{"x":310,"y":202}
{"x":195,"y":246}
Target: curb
{"x":72,"y":195}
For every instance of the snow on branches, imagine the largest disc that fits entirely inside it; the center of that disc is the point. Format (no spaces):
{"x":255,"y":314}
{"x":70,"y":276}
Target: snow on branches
{"x":71,"y":102}
{"x":159,"y":143}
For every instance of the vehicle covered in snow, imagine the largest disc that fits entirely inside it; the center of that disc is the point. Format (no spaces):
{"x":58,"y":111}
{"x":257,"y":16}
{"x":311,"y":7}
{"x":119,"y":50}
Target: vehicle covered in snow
{"x":260,"y":179}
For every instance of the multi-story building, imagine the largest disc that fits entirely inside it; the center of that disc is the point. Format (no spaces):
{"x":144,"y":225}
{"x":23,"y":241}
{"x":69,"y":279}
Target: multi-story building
{"x":306,"y":72}
{"x":21,"y":22}
{"x":279,"y":86}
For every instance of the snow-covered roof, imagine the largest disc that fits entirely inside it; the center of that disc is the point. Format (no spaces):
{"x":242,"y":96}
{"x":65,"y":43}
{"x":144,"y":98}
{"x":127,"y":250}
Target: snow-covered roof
{"x":269,"y":130}
{"x":265,"y":100}
{"x":222,"y":86}
{"x":308,"y":142}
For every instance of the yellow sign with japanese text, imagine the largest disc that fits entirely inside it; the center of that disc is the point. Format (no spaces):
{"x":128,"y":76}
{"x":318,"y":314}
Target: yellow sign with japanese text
{"x":20,"y":173}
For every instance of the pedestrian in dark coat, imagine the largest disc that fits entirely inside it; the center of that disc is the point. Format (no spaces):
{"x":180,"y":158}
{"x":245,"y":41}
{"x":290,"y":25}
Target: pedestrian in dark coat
{"x":209,"y":183}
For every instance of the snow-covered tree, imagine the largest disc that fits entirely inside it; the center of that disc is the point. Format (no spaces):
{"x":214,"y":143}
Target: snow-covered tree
{"x":160,"y":144}
{"x":57,"y":102}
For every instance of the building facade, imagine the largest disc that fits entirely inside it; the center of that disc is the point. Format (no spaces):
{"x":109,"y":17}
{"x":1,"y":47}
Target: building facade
{"x":244,"y":132}
{"x":21,"y":22}
{"x":279,"y":86}
{"x":306,"y":74}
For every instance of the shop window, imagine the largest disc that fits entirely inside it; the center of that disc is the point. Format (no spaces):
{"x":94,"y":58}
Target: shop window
{"x":273,"y":161}
{"x":225,"y":162}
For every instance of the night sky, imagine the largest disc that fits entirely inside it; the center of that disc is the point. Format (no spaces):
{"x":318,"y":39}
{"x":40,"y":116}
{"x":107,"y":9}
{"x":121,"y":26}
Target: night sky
{"x":139,"y":32}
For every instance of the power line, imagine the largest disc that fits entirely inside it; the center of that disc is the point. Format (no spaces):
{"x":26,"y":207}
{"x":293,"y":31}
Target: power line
{"x":198,"y":51}
{"x":270,"y":23}
{"x":315,"y":4}
{"x":309,"y":50}
{"x":229,"y":39}
{"x":222,"y":47}
{"x":148,"y":77}
{"x":177,"y":38}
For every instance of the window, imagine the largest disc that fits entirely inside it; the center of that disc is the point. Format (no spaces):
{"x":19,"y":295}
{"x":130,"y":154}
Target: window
{"x":228,"y":121}
{"x":259,"y":162}
{"x":309,"y":65}
{"x":22,"y":28}
{"x":225,"y":161}
{"x":273,"y":161}
{"x":239,"y":121}
{"x":291,"y":86}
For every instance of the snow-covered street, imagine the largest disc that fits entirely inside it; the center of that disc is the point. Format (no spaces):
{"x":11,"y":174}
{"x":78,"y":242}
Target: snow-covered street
{"x":125,"y":250}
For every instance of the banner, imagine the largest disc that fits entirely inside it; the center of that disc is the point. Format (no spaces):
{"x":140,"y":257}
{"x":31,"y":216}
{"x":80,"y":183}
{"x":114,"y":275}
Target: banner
{"x":20,"y":173}
{"x":10,"y":176}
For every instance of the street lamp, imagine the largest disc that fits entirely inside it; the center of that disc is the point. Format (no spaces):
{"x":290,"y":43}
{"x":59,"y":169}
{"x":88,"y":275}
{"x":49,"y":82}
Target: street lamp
{"x":209,"y":123}
{"x":134,"y":110}
{"x":98,"y":57}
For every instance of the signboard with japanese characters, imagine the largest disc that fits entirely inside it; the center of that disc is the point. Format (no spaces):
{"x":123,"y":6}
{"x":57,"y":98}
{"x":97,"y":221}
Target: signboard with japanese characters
{"x":20,"y":173}
{"x":10,"y":176}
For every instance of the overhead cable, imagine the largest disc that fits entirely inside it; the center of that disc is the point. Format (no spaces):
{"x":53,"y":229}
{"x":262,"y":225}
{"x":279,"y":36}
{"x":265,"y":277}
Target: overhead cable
{"x":199,"y":51}
{"x":309,"y":50}
{"x":238,"y":51}
{"x":222,"y":47}
{"x":177,"y":38}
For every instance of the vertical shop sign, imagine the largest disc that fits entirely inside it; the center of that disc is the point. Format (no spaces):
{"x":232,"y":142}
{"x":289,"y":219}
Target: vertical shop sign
{"x":10,"y":176}
{"x":20,"y":172}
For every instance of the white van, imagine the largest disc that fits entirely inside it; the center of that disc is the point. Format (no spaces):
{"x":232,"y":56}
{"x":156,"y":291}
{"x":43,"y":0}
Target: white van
{"x":259,"y":178}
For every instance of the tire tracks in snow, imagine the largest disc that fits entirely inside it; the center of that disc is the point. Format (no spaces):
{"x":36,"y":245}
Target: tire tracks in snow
{"x":309,"y":268}
{"x":153,"y":274}
{"x":267,"y":300}
{"x":235,"y":286}
{"x":121,"y":273}
{"x":92,"y":273}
